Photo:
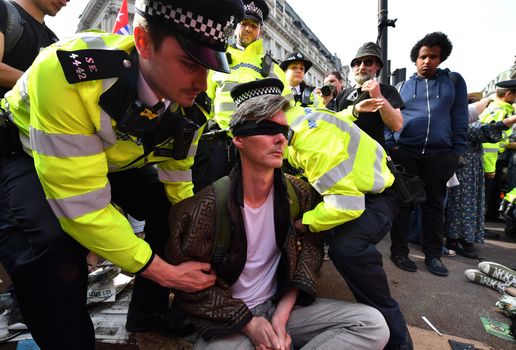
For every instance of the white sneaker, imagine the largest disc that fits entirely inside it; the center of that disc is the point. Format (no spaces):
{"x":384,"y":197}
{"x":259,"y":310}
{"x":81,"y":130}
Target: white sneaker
{"x":498,"y":271}
{"x":478,"y":277}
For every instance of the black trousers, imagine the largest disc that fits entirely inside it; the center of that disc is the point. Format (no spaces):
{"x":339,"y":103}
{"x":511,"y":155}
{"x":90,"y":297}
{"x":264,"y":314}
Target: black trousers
{"x":495,"y":186}
{"x":50,"y":272}
{"x":435,"y":170}
{"x":353,"y":252}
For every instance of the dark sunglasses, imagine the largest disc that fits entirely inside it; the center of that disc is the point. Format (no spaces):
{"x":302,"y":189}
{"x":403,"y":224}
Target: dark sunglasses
{"x":368,"y":62}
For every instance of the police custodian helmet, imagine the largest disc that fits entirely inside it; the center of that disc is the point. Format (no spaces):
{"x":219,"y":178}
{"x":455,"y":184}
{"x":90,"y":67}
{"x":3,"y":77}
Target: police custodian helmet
{"x":202,"y":27}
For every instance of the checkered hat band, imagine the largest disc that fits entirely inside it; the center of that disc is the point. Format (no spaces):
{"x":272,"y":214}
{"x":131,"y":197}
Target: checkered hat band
{"x":270,"y":90}
{"x":252,"y":8}
{"x":187,"y":19}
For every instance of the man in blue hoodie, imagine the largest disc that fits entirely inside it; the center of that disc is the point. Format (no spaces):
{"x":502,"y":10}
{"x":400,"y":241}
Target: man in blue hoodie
{"x":429,"y":145}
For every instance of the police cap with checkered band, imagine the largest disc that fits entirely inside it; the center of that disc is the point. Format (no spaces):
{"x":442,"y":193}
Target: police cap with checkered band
{"x":295,"y":56}
{"x":202,"y":27}
{"x":245,"y":91}
{"x":256,"y":10}
{"x":509,"y":85}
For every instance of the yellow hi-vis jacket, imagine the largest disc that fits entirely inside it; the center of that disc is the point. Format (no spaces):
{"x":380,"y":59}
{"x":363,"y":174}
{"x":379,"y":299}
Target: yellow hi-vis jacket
{"x":495,"y":112}
{"x":75,"y":144}
{"x":246,"y":66}
{"x":510,"y":196}
{"x":341,"y":162}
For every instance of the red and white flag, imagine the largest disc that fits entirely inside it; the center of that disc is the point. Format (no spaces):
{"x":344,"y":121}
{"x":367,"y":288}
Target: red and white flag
{"x":122,"y":20}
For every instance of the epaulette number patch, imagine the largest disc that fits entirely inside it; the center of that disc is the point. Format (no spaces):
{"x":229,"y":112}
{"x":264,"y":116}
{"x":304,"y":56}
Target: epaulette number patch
{"x":86,"y":65}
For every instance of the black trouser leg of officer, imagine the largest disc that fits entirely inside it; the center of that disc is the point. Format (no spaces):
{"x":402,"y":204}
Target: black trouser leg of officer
{"x":353,"y":252}
{"x":140,"y":193}
{"x":12,"y":239}
{"x":50,"y":273}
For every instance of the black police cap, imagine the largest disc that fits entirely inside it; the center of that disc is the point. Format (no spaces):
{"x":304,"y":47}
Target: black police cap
{"x":245,"y":91}
{"x":506,"y":84}
{"x":293,"y":57}
{"x":203,"y":27}
{"x":256,"y":10}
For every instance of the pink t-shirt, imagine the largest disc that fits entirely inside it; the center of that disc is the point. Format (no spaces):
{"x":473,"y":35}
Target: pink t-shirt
{"x":257,"y":283}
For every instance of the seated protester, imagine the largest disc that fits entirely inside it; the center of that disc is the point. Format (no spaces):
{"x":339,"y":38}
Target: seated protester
{"x":349,"y":169}
{"x":265,"y":294}
{"x":295,"y":67}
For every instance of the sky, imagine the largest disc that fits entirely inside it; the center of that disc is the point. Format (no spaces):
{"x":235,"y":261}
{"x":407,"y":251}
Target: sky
{"x":480,"y":30}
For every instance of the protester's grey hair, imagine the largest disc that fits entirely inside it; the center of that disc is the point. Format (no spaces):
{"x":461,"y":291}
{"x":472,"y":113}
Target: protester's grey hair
{"x":259,"y":108}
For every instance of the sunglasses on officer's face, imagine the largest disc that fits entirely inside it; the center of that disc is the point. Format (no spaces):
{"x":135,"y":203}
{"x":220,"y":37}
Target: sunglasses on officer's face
{"x":368,"y":62}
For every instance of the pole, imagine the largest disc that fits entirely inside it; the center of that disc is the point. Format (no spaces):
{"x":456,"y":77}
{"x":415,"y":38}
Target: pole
{"x":383,"y":24}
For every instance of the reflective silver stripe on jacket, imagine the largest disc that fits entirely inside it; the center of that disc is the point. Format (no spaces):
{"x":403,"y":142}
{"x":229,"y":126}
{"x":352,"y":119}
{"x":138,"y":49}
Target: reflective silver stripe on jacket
{"x":491,"y":150}
{"x":75,"y":206}
{"x":379,"y":180}
{"x":341,"y":170}
{"x":64,"y":145}
{"x":225,"y":107}
{"x":345,"y":202}
{"x":226,"y":86}
{"x":96,"y":42}
{"x":193,"y":146}
{"x":24,"y":91}
{"x":166,"y":175}
{"x":106,"y":131}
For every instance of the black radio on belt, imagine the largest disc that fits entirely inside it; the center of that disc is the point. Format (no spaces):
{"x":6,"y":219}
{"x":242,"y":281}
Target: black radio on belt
{"x":9,"y":136}
{"x":183,"y":137}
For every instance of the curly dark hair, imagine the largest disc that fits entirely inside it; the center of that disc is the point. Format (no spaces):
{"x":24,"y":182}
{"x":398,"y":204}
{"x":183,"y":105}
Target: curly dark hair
{"x":433,"y":39}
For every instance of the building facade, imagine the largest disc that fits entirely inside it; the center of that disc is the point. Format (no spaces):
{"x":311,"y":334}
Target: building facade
{"x":284,"y":32}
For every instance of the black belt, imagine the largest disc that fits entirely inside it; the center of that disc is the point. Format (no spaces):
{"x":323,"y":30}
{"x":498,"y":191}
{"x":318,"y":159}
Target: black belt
{"x":10,"y":143}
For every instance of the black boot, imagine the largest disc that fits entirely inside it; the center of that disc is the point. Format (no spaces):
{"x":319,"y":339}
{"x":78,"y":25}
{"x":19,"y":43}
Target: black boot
{"x":463,"y":248}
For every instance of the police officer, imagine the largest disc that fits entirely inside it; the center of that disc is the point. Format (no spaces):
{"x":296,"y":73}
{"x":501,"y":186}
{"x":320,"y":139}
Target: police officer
{"x":508,"y":211}
{"x":248,"y":62}
{"x":495,"y":156}
{"x":296,"y":65}
{"x":103,"y":109}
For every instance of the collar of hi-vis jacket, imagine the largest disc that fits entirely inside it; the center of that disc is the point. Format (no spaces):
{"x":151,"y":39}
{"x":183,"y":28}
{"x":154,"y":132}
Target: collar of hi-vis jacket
{"x":237,"y":55}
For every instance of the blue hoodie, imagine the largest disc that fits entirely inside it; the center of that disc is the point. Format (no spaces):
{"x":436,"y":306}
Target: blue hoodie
{"x":435,"y":118}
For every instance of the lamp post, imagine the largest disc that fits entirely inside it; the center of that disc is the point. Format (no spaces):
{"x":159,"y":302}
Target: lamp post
{"x":383,"y":24}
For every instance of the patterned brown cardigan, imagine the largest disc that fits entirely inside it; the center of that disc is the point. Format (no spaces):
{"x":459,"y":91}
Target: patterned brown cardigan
{"x":192,"y":223}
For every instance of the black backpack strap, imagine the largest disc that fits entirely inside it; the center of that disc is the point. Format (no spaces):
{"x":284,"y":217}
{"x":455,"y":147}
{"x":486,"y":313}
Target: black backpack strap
{"x":14,"y":26}
{"x":293,"y":200}
{"x":223,"y":230}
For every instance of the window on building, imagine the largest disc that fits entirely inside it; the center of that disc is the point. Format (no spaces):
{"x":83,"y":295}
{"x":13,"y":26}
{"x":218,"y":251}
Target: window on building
{"x":279,"y":7}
